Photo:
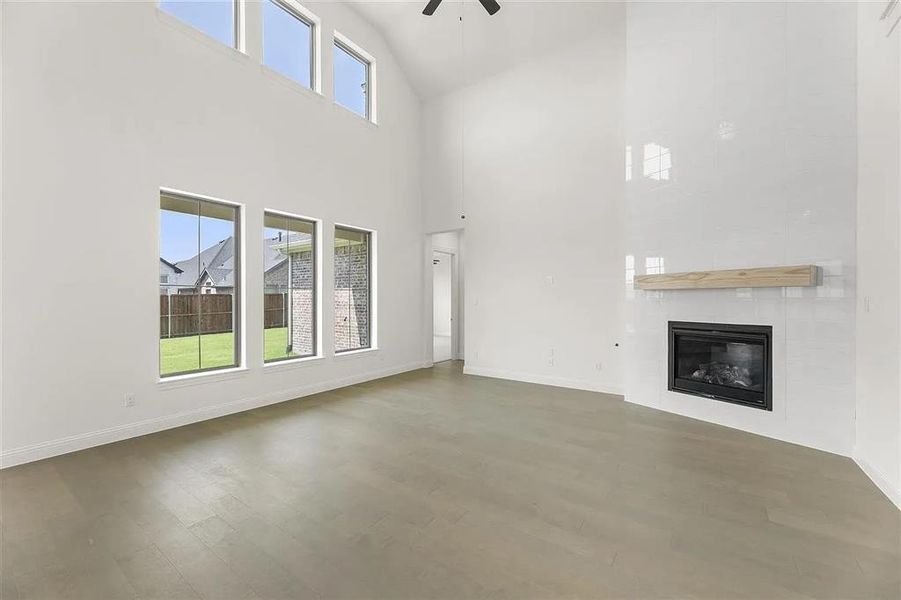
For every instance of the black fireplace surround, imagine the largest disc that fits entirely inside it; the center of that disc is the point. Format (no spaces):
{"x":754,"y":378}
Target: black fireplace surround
{"x":732,"y":363}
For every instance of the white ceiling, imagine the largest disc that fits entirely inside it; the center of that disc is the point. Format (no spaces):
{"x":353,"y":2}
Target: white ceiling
{"x":439,"y":55}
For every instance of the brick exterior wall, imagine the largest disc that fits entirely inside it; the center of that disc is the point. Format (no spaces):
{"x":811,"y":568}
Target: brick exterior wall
{"x":352,"y":297}
{"x":301,"y":303}
{"x":277,"y":278}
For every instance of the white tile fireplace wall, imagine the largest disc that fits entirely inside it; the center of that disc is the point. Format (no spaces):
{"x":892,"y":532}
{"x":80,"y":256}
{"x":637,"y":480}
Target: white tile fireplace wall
{"x":741,"y":152}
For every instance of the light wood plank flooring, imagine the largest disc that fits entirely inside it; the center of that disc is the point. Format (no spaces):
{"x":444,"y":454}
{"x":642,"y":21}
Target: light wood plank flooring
{"x":433,"y":484}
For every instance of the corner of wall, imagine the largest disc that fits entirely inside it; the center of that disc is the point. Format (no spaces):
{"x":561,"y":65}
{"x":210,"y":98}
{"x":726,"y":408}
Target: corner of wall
{"x":892,"y":491}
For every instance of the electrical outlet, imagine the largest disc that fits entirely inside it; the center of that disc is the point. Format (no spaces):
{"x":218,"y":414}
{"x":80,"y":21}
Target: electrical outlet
{"x":130,"y":400}
{"x":550,"y":362}
{"x":598,"y":366}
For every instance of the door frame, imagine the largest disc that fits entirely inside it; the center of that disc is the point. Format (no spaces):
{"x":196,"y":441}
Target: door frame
{"x":457,"y":348}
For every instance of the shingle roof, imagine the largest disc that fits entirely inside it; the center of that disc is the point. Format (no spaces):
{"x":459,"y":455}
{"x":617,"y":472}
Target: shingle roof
{"x":212,"y":260}
{"x":169,"y":264}
{"x":218,"y":261}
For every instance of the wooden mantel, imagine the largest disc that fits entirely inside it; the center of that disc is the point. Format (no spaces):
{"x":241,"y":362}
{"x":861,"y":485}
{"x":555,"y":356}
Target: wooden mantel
{"x":795,"y":276}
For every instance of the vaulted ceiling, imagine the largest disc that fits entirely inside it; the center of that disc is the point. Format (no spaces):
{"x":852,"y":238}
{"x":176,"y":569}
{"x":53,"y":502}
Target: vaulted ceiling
{"x":439,"y":54}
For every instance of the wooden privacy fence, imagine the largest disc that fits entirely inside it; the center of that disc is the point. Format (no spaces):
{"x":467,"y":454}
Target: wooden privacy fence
{"x":274,"y":314}
{"x":193,"y":314}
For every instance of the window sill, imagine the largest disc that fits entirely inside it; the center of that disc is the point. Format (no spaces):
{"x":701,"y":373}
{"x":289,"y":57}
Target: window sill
{"x":178,"y":381}
{"x":354,"y":114}
{"x":199,"y":35}
{"x":290,"y":83}
{"x":352,"y":353}
{"x":283,"y":365}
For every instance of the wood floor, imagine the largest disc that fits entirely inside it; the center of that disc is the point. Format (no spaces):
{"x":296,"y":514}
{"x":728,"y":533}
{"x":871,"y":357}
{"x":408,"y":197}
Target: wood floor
{"x":433,"y":484}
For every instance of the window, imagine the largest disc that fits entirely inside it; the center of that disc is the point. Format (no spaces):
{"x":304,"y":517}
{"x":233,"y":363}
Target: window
{"x":289,"y":287}
{"x":353,"y":289}
{"x":199,"y":312}
{"x":288,"y":42}
{"x":353,"y":78}
{"x":216,"y":18}
{"x":657,"y":162}
{"x":653,"y":265}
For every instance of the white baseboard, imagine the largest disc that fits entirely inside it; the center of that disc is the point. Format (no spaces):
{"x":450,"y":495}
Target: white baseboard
{"x":564,"y":382}
{"x":781,"y":435}
{"x":48,"y":449}
{"x":892,"y":492}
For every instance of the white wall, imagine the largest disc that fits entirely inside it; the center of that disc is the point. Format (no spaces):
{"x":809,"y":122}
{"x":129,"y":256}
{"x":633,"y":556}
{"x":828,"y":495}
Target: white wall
{"x":543,"y":186}
{"x":103,"y":103}
{"x":2,"y":211}
{"x":878,"y":448}
{"x":757,"y":104}
{"x":446,"y":240}
{"x":442,"y":164}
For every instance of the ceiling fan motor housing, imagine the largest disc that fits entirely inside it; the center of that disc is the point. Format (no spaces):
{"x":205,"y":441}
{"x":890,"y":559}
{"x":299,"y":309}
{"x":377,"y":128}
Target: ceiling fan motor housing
{"x":489,"y":5}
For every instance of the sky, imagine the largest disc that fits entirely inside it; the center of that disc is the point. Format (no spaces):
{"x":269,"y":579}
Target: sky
{"x":216,"y":19}
{"x":286,"y":43}
{"x":350,"y":74}
{"x":181,"y":232}
{"x":286,"y":49}
{"x":183,"y":236}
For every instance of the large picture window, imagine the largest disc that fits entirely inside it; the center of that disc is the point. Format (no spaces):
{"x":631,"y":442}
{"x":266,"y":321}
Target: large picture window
{"x":216,"y":18}
{"x":353,"y":289}
{"x":289,"y":293}
{"x":200,"y":280}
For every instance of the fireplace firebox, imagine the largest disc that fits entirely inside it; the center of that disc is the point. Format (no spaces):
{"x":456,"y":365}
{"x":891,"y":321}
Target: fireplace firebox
{"x":727,"y":362}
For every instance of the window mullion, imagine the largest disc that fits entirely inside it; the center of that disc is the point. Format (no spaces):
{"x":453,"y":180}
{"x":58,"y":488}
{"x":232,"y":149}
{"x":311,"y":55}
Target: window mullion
{"x":198,"y":289}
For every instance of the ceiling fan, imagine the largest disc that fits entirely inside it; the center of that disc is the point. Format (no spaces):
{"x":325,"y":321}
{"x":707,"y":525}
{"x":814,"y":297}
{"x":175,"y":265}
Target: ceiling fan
{"x":490,"y":5}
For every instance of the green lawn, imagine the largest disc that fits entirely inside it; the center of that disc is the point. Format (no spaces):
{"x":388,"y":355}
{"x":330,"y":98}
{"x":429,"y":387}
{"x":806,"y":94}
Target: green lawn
{"x":275,"y":341}
{"x":180,"y":355}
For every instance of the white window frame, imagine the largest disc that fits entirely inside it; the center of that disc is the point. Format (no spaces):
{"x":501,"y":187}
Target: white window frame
{"x":343,"y":42}
{"x":303,"y":14}
{"x":317,"y":289}
{"x":373,"y":288}
{"x":239,"y":14}
{"x":239,"y":317}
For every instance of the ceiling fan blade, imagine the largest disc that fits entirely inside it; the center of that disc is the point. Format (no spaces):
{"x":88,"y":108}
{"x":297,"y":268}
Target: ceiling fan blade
{"x":431,"y":7}
{"x":490,"y":5}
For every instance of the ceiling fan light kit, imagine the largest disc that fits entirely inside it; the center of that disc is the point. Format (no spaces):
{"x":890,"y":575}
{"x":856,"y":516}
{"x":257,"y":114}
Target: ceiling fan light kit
{"x":489,"y":5}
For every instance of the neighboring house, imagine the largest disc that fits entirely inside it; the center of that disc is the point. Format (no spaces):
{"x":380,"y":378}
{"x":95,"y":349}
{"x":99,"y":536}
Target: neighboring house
{"x":212,"y":271}
{"x":285,"y":259}
{"x":275,"y":265}
{"x":352,"y":279}
{"x":294,"y":278}
{"x":168,"y":271}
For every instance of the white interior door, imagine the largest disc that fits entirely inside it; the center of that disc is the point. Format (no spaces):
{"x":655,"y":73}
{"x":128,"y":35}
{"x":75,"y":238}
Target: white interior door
{"x":442,"y":314}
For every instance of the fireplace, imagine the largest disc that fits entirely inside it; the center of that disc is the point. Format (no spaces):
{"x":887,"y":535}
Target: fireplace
{"x":732,"y":363}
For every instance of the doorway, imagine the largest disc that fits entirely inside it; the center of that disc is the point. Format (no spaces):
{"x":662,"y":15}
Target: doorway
{"x":442,"y":306}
